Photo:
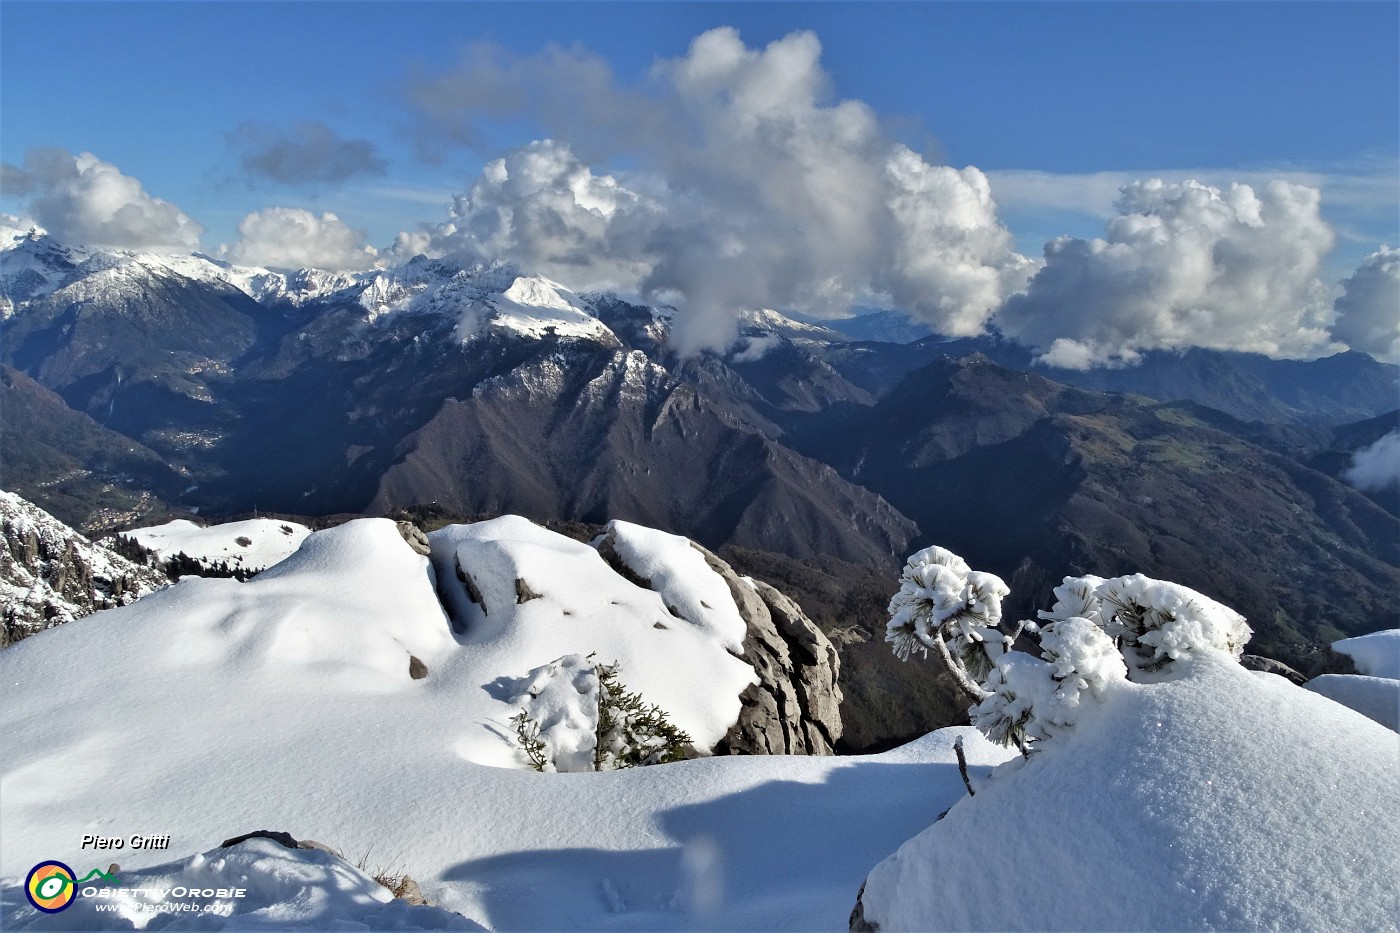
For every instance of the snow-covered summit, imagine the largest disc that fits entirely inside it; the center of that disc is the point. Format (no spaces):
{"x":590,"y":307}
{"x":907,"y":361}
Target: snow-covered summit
{"x":761,"y":321}
{"x":32,"y":264}
{"x":480,"y":299}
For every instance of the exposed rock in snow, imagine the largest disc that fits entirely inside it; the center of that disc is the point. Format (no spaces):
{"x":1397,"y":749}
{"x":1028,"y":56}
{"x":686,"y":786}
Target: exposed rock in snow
{"x":32,"y":264}
{"x":794,"y":707}
{"x":1254,"y":662}
{"x":50,"y":574}
{"x":523,"y":597}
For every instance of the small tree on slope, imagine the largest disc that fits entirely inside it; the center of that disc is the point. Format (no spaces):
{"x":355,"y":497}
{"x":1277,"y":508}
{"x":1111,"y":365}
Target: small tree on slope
{"x":578,"y":714}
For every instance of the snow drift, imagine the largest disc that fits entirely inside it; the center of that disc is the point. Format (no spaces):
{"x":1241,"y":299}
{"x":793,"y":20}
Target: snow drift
{"x":1215,"y":798}
{"x":1374,"y":692}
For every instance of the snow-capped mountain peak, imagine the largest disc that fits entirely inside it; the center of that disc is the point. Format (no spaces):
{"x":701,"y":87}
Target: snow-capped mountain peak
{"x":481,"y":299}
{"x":32,"y":264}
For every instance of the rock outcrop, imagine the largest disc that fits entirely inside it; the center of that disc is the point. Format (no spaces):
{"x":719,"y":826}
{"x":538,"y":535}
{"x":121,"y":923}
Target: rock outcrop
{"x":795,"y":708}
{"x":51,"y":574}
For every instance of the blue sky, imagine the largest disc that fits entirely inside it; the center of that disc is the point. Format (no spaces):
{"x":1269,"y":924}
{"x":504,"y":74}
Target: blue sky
{"x":1058,"y":103}
{"x":1059,"y":88}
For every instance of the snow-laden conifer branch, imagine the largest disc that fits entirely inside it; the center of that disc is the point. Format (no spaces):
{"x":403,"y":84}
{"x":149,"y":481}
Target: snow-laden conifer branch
{"x":1098,"y":631}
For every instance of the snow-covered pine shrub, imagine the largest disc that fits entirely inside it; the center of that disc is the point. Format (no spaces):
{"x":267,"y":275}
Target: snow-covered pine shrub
{"x":630,"y":731}
{"x":577,"y":715}
{"x":527,"y":734}
{"x":1033,"y":699}
{"x":944,"y":604}
{"x":1155,"y":621}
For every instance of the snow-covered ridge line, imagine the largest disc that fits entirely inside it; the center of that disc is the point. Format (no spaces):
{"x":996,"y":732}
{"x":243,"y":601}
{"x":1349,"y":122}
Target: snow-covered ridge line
{"x":480,"y":298}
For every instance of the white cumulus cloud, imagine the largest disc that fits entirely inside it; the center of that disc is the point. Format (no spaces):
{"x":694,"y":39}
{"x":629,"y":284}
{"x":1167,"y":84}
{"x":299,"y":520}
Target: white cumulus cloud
{"x":1183,"y":264}
{"x":543,"y":208}
{"x":748,"y":186}
{"x":1377,"y":466}
{"x":293,"y":238}
{"x":83,"y":200}
{"x":1368,"y":311}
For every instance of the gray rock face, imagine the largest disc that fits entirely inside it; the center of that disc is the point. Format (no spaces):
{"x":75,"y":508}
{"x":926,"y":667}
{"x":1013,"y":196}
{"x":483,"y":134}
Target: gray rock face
{"x":795,"y":708}
{"x":50,"y":574}
{"x":413,"y":536}
{"x":1330,"y":662}
{"x":1256,"y":662}
{"x":858,"y":923}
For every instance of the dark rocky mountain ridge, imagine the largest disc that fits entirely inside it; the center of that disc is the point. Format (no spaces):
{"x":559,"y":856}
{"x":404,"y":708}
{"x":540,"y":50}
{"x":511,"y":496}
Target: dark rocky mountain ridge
{"x":374,"y":395}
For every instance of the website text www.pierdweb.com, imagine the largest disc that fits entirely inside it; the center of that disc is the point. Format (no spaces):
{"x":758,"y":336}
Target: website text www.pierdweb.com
{"x":175,"y":900}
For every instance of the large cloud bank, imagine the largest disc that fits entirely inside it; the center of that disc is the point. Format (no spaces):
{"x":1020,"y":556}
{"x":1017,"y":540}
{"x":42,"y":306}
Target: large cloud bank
{"x":1183,"y":265}
{"x":751,"y":188}
{"x":1368,"y":312}
{"x":81,"y":199}
{"x":292,"y":238}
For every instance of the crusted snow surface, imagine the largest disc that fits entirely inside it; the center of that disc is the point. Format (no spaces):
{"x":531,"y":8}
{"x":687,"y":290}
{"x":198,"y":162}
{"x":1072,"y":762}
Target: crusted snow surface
{"x":1214,"y":799}
{"x":255,"y":544}
{"x":1376,"y":655}
{"x":688,"y":587}
{"x":216,"y":707}
{"x":258,"y":884}
{"x":532,"y":596}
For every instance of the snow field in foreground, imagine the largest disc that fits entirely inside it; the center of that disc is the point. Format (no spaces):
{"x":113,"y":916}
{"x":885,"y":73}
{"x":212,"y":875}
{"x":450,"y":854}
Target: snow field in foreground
{"x":1214,"y":799}
{"x":215,"y":707}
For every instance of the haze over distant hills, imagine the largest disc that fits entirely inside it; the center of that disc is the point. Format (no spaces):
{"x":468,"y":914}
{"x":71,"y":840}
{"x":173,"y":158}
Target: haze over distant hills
{"x":147,"y":386}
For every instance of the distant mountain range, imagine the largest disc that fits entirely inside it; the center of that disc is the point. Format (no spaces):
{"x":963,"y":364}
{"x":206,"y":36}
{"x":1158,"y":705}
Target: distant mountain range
{"x":144,"y":387}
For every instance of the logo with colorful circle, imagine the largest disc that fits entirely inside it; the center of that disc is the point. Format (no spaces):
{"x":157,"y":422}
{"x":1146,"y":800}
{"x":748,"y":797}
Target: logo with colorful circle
{"x":52,"y":885}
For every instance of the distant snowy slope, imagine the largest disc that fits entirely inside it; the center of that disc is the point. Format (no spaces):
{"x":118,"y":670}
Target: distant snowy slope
{"x":255,"y":544}
{"x":1216,"y":799}
{"x":293,"y":701}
